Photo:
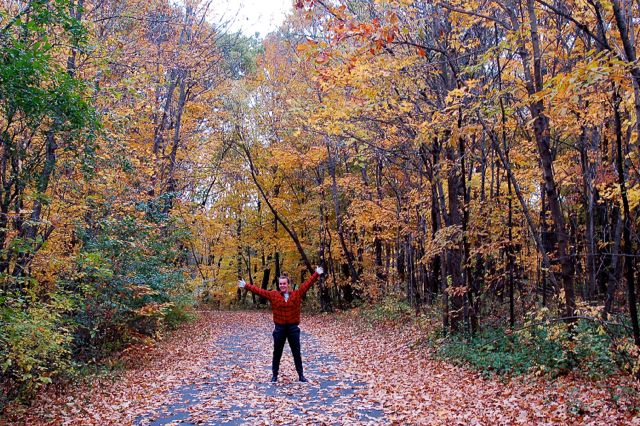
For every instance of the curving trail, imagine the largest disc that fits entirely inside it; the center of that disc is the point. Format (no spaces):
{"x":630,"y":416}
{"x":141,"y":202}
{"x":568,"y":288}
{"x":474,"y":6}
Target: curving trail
{"x":235,"y":388}
{"x":216,"y":371}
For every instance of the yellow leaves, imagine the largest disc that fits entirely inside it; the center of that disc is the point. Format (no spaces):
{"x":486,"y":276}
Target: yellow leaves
{"x":405,"y":107}
{"x":579,"y":96}
{"x":318,"y":51}
{"x":285,"y":157}
{"x":378,"y":218}
{"x":333,"y":128}
{"x":609,"y":191}
{"x":314,"y":156}
{"x":455,"y":96}
{"x":633,"y":195}
{"x":444,"y":238}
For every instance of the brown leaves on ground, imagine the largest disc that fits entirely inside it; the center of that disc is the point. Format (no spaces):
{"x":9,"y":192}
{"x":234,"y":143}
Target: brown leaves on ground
{"x":414,"y":388}
{"x":151,"y":371}
{"x":230,"y":374}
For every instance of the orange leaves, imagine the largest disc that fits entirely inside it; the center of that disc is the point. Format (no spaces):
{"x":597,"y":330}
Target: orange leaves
{"x":354,"y":367}
{"x":322,"y":58}
{"x":314,"y":156}
{"x":415,"y":388}
{"x":457,"y":291}
{"x":317,"y":51}
{"x":446,"y":237}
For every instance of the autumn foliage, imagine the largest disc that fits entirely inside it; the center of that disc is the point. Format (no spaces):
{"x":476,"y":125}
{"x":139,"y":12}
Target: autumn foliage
{"x":470,"y":162}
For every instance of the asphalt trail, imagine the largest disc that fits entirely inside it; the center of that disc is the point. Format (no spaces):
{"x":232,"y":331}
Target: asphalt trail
{"x":235,"y":389}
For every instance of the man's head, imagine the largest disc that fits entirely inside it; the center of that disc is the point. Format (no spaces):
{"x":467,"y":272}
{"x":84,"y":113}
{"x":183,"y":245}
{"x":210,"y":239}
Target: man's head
{"x":283,"y":282}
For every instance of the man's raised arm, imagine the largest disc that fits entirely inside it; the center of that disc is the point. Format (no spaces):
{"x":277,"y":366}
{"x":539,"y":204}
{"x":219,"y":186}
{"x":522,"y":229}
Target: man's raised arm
{"x":312,"y":279}
{"x":252,"y":288}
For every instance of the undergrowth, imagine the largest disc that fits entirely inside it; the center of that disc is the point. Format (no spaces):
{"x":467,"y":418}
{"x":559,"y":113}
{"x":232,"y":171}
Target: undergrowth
{"x":542,"y":345}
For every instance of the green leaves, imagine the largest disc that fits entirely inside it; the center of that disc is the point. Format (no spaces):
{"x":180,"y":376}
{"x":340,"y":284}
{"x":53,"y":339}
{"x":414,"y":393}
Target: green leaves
{"x":539,"y":348}
{"x":34,"y":342}
{"x":34,"y":86}
{"x":128,"y":277}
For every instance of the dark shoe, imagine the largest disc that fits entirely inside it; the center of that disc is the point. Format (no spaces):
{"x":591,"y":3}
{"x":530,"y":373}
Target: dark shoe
{"x":274,"y":378}
{"x":302,"y":379}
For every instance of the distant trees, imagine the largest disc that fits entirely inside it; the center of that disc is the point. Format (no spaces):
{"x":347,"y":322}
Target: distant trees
{"x":109,"y":142}
{"x":474,"y":159}
{"x":462,"y":153}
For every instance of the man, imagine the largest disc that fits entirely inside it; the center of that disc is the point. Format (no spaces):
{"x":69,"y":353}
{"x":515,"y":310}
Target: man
{"x":286,"y":306}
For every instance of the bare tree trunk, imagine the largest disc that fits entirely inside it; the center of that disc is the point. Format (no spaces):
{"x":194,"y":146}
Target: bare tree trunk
{"x":353,"y":273}
{"x":377,"y":242}
{"x":455,"y":255}
{"x":615,"y":266}
{"x":266,"y":273}
{"x":171,"y":180}
{"x":627,"y":223}
{"x":542,"y":135}
{"x":239,"y":256}
{"x":324,"y":294}
{"x":278,"y":218}
{"x":588,"y":174}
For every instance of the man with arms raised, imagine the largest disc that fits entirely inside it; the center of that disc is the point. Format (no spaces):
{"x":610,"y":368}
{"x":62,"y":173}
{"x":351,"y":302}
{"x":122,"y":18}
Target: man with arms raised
{"x":286,"y":305}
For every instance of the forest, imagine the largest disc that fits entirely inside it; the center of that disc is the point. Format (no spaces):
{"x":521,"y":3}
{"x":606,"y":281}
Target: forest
{"x":469,"y":166}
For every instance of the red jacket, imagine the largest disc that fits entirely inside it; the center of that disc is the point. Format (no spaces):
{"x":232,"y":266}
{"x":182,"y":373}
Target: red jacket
{"x":285,"y":313}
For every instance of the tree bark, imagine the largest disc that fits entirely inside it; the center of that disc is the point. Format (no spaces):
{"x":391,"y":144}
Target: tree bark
{"x":353,"y":272}
{"x":626,"y":227}
{"x":542,"y":135}
{"x":290,"y":231}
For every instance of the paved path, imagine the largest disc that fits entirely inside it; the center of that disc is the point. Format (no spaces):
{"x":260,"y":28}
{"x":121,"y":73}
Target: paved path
{"x":236,"y":389}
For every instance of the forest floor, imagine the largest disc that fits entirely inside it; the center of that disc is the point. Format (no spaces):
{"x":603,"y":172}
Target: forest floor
{"x":216,"y":371}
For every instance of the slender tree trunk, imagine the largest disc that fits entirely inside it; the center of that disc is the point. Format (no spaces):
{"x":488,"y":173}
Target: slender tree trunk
{"x":587,"y":183}
{"x":324,"y":294}
{"x":353,"y":273}
{"x":377,"y":242}
{"x":456,"y":254}
{"x":542,"y":135}
{"x":278,"y":218}
{"x":266,"y":273}
{"x":175,"y":145}
{"x":466,"y":249}
{"x":239,"y":255}
{"x":626,"y":227}
{"x":615,"y":266}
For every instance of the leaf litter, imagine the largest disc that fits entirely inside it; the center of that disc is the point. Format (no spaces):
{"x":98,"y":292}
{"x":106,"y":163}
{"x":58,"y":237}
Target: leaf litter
{"x":217,"y":370}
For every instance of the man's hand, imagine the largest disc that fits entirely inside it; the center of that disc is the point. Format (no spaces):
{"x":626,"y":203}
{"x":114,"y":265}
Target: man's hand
{"x":319,"y":270}
{"x":241,"y":283}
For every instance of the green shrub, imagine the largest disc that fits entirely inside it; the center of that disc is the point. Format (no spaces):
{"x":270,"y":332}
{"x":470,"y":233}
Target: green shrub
{"x":129,"y":278}
{"x":179,"y":312}
{"x":491,"y":352}
{"x":389,"y":309}
{"x":541,"y":346}
{"x":35,"y":342}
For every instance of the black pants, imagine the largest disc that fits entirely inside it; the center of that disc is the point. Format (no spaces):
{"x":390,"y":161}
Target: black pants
{"x":292,"y":334}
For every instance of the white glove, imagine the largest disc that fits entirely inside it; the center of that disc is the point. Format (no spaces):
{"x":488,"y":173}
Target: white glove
{"x":319,"y":270}
{"x":241,"y":283}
